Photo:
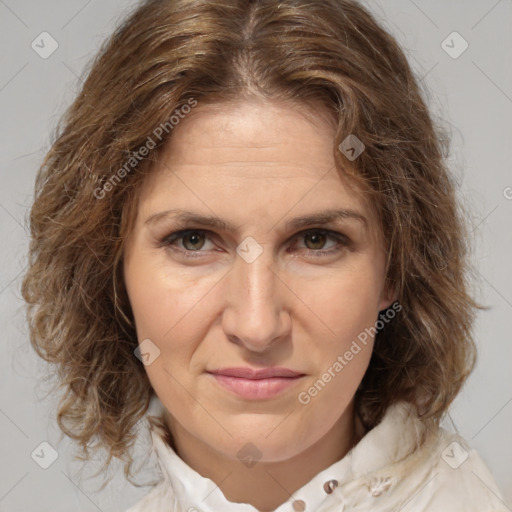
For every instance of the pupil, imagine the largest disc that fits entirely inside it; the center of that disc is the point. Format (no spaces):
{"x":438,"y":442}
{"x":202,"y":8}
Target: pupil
{"x":317,"y":238}
{"x":194,"y":239}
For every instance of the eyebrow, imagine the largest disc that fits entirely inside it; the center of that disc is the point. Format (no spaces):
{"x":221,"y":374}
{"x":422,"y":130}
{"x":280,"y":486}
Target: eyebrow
{"x":318,"y":218}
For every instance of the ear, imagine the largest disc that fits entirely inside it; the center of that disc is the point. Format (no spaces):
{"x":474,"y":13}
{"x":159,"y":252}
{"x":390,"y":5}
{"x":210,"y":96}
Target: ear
{"x":388,"y":296}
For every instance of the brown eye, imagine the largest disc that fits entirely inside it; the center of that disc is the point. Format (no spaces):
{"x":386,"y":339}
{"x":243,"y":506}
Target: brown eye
{"x":317,"y":239}
{"x":314,"y":241}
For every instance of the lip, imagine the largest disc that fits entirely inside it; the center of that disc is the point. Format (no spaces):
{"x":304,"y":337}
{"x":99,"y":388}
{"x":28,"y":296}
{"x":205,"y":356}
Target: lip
{"x":253,"y":384}
{"x":244,"y":372}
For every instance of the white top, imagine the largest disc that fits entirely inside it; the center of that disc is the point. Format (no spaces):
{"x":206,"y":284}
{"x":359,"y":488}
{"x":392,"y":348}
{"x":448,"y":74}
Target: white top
{"x":385,"y":471}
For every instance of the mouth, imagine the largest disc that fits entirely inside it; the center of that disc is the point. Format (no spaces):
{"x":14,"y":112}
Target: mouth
{"x":253,"y":384}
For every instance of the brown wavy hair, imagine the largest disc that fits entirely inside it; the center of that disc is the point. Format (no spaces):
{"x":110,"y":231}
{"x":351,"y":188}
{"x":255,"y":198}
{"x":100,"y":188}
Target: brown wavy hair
{"x":162,"y":56}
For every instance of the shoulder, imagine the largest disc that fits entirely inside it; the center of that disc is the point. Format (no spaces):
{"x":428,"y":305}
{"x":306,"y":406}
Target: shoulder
{"x":446,"y":474}
{"x":459,"y":479}
{"x":401,"y":465}
{"x":156,"y":500}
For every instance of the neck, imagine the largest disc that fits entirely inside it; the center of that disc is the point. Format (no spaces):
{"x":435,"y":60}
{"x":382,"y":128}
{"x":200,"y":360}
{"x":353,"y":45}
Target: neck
{"x":266,"y":485}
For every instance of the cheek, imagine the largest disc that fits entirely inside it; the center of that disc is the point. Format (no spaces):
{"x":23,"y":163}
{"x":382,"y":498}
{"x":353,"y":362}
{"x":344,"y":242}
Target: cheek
{"x":163,"y":302}
{"x":340,"y":349}
{"x":341,"y":330}
{"x":169,"y":310}
{"x":345,"y":303}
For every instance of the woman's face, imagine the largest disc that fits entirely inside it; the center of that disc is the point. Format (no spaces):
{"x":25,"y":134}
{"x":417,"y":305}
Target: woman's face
{"x":261,"y":288}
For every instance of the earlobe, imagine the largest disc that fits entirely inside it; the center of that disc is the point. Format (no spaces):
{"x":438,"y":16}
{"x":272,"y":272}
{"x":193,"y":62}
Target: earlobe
{"x":388,"y":297}
{"x":385,"y":305}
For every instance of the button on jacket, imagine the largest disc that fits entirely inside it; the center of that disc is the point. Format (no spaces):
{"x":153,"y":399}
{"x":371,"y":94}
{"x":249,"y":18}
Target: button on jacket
{"x":393,"y":468}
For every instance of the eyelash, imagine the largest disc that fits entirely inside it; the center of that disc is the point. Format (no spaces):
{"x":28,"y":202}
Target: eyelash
{"x":342,"y":239}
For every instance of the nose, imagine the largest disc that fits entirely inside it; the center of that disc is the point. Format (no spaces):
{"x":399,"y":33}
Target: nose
{"x":256,"y":314}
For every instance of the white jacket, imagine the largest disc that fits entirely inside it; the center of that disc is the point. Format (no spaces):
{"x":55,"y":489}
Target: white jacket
{"x":384,"y":472}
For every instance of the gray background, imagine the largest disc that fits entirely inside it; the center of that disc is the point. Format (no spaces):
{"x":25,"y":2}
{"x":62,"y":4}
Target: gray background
{"x":472,"y":93}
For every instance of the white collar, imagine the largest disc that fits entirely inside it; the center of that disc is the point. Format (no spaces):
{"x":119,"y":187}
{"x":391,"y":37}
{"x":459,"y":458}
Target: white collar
{"x":398,"y":435}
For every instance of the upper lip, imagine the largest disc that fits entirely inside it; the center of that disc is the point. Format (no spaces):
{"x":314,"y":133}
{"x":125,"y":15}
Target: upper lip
{"x":250,"y":373}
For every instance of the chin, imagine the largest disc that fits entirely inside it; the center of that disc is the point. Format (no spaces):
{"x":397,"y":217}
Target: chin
{"x":265,"y":445}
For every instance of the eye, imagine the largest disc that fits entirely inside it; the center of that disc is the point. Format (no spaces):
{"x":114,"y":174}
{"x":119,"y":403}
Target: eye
{"x":193,"y":241}
{"x":316,"y":239}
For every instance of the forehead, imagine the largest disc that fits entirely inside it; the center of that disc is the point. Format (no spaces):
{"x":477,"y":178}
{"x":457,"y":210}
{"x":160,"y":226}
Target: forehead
{"x":255,"y":158}
{"x":254,"y":132}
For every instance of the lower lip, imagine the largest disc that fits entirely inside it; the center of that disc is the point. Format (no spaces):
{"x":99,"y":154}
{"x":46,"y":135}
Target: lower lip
{"x":256,"y":389}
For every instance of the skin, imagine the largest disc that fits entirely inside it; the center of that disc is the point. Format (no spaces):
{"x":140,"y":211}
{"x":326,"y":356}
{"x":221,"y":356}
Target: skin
{"x":256,"y":164}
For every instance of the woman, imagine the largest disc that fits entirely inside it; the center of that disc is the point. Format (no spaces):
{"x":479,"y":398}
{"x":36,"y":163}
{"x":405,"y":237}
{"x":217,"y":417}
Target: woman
{"x":247,"y":219}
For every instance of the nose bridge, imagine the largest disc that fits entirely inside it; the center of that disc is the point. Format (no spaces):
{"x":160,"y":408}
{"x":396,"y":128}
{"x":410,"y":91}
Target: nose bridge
{"x":255,"y":312}
{"x":258,"y":280}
